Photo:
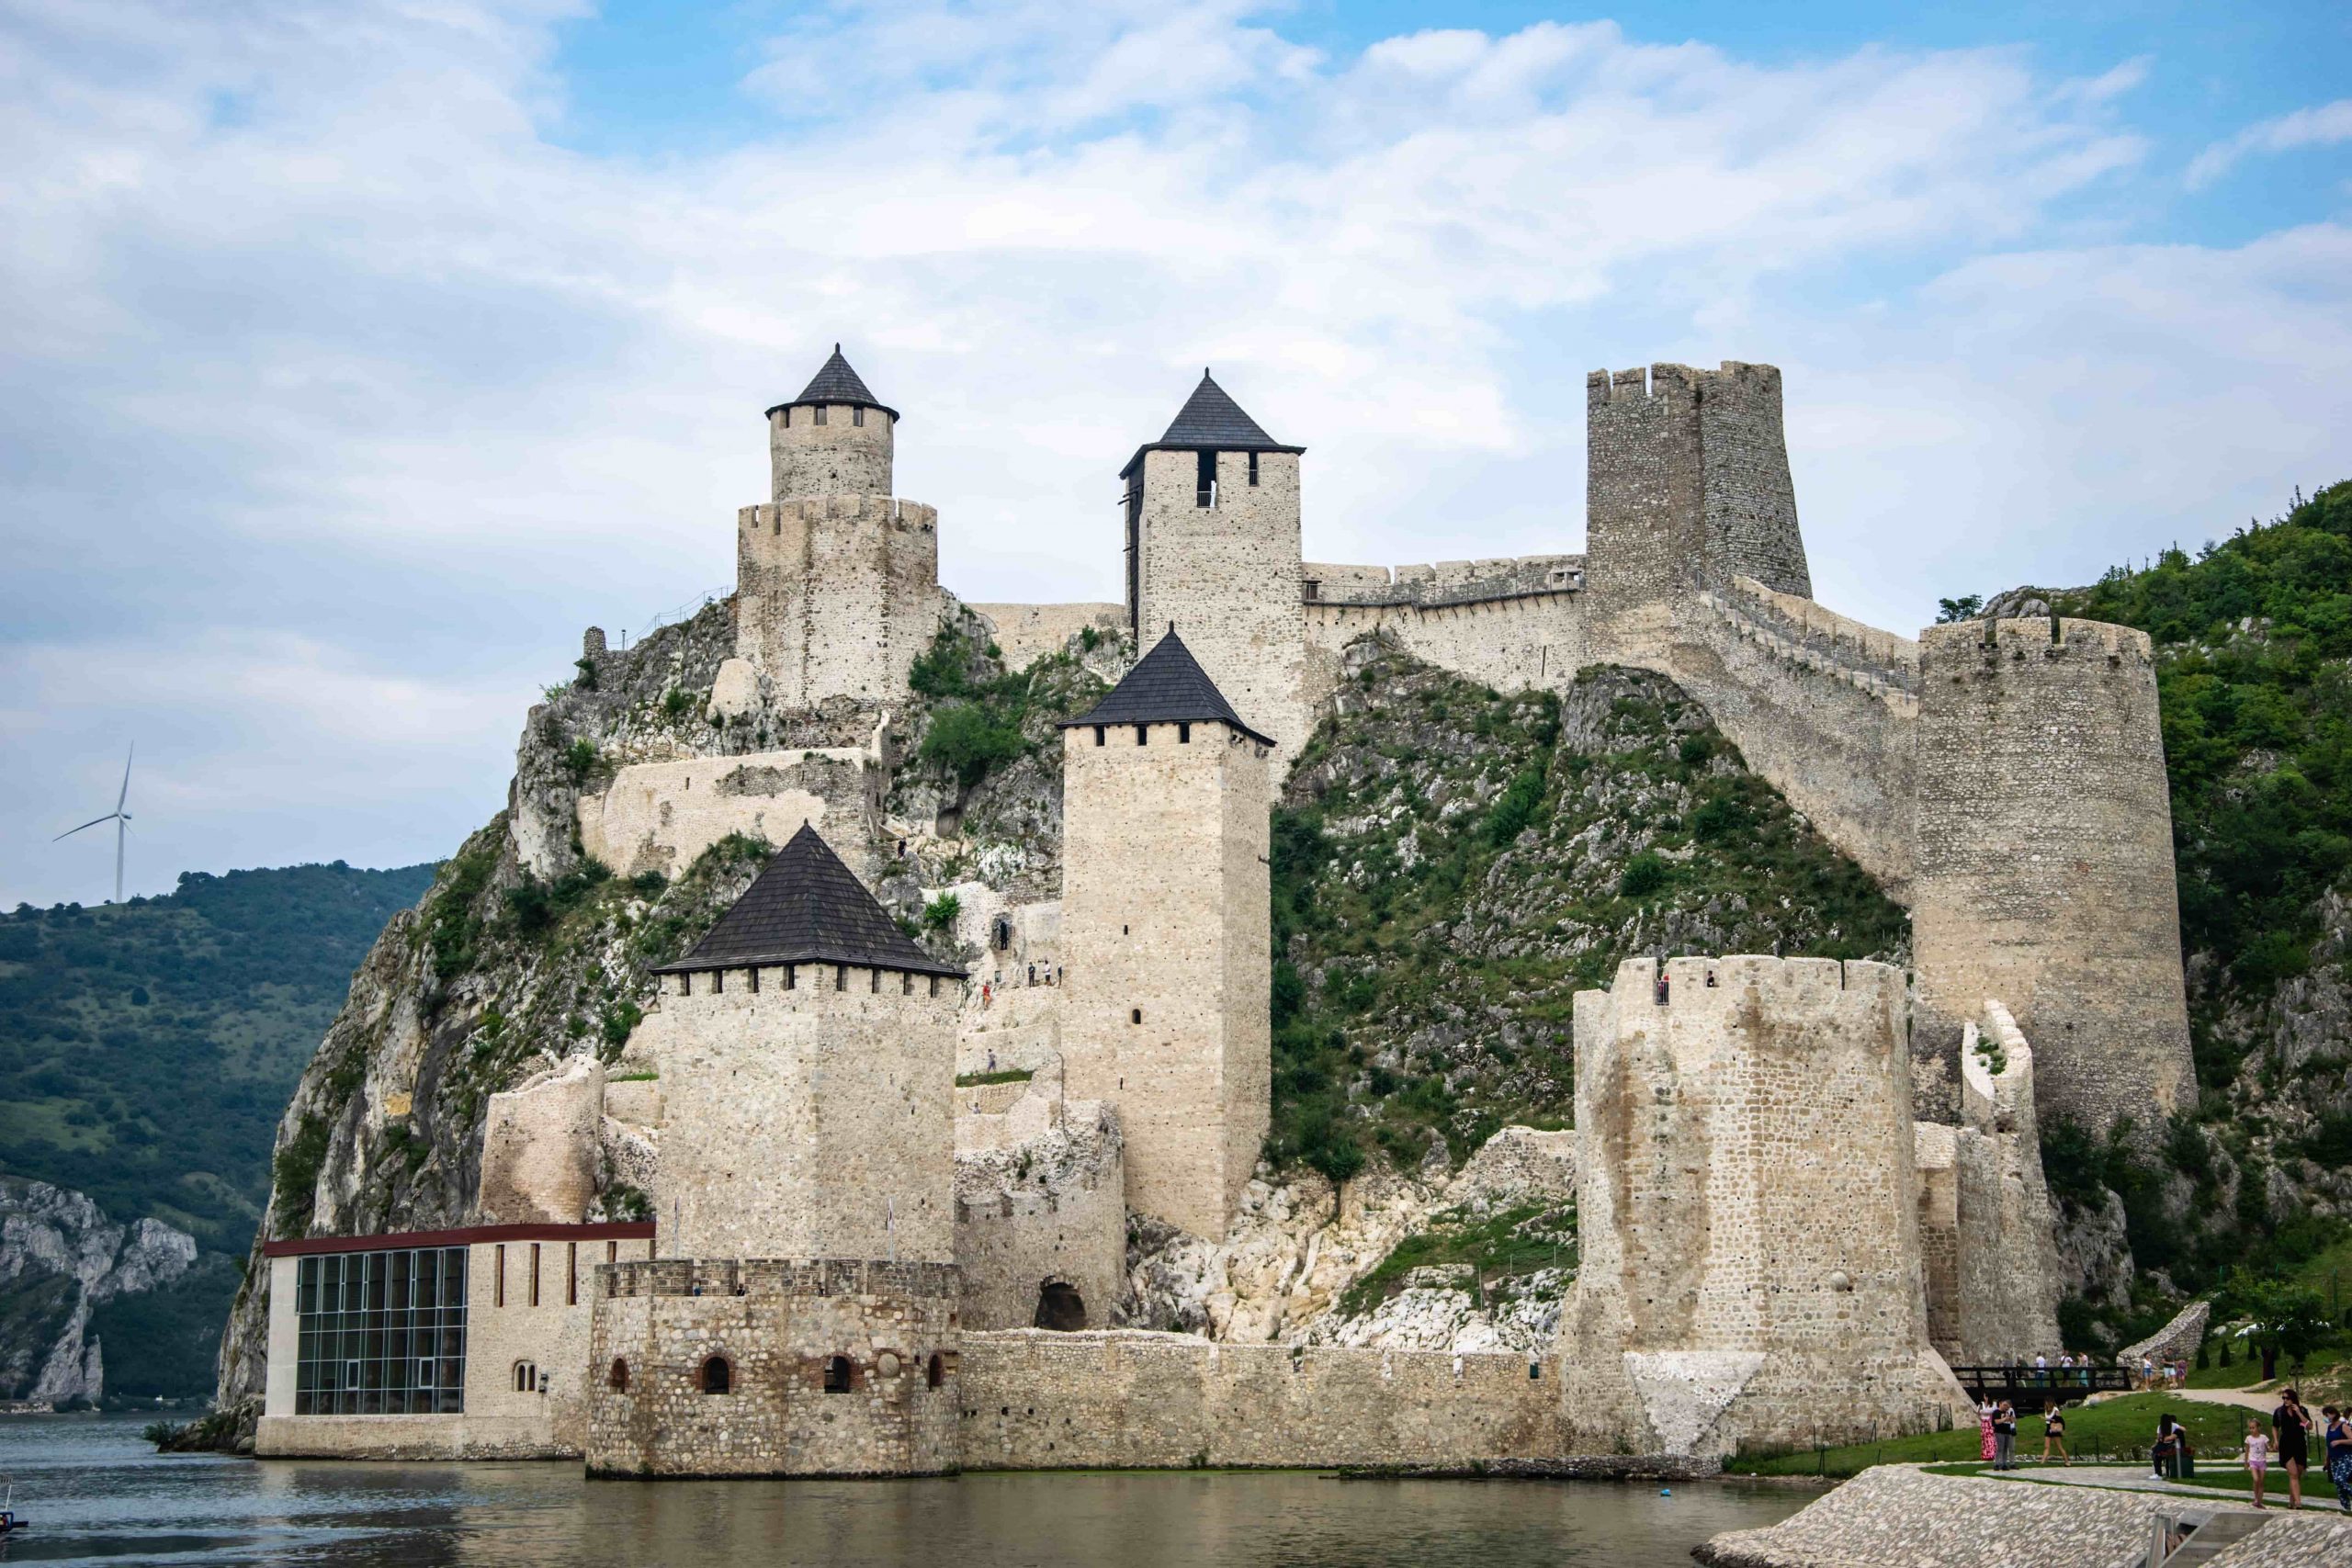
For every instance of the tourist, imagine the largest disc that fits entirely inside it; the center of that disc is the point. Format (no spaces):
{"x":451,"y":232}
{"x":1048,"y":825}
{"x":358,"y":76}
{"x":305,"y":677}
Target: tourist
{"x":1984,"y":1413}
{"x":2040,"y":1368}
{"x":2339,"y":1454}
{"x":2166,"y":1453}
{"x":2257,"y":1457}
{"x":2147,"y":1367}
{"x":2054,"y":1431}
{"x":2005,"y":1437}
{"x":2291,"y":1425}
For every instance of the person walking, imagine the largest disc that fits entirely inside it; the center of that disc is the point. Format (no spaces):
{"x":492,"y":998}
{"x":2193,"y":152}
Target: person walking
{"x":2053,"y":1431}
{"x":1984,"y":1429}
{"x":2005,"y":1437}
{"x":2257,"y":1457}
{"x":2291,"y":1425}
{"x":2339,"y":1454}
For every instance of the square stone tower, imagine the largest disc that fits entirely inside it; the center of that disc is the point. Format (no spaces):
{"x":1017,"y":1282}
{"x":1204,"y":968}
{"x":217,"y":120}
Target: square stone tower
{"x":1213,"y":547}
{"x":1165,"y":934}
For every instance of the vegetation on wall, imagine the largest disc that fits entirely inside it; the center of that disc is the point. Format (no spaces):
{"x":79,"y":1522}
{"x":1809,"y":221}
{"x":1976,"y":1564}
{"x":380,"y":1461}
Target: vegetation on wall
{"x":1451,"y":865}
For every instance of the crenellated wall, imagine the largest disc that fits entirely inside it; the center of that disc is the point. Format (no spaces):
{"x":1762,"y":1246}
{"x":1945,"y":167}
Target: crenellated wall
{"x":1035,"y":1400}
{"x":2044,"y":863}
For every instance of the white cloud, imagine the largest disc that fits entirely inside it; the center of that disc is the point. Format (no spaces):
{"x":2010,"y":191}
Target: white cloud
{"x":334,"y":343}
{"x":2326,"y":125}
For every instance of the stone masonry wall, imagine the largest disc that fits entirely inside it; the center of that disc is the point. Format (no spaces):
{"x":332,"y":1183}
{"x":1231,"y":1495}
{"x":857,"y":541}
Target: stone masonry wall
{"x":836,"y":596}
{"x":2009,"y":1250}
{"x":1165,"y":937}
{"x":776,"y":1326}
{"x":1751,"y":1268}
{"x":1026,"y":633}
{"x":1035,"y":1400}
{"x":849,"y":454}
{"x":1509,"y":643}
{"x":1228,"y":576}
{"x":1749,"y":500}
{"x":539,"y":1147}
{"x":661,"y":815}
{"x":809,"y":1117}
{"x":1644,"y":489}
{"x":1050,"y":1209}
{"x":2044,"y":860}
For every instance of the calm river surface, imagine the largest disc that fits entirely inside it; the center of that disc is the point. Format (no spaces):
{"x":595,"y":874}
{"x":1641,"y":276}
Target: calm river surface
{"x":96,"y":1494}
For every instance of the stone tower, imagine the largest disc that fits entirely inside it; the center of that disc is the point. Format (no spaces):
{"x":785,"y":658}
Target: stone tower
{"x":1165,"y":910}
{"x":2044,"y":874}
{"x":1213,"y":548}
{"x":837,"y":581}
{"x":1687,"y":482}
{"x":806,"y":1053}
{"x":1748,"y":1211}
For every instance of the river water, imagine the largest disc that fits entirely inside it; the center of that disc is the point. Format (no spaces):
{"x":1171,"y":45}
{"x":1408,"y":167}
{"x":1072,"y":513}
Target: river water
{"x":96,"y":1494}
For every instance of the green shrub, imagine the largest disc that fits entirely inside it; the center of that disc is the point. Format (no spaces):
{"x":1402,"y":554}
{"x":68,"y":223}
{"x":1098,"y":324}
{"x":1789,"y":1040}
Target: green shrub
{"x":1515,"y":810}
{"x":966,"y":741}
{"x":940,"y":913}
{"x":676,"y":703}
{"x":1644,"y":874}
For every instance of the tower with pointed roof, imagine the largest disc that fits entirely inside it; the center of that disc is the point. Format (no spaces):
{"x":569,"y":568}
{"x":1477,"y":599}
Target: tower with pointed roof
{"x":1212,"y":546}
{"x":805,"y":1055}
{"x":837,"y":580}
{"x":1166,"y":789}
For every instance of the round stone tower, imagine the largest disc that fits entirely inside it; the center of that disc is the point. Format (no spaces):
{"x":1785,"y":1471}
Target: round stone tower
{"x":833,"y":439}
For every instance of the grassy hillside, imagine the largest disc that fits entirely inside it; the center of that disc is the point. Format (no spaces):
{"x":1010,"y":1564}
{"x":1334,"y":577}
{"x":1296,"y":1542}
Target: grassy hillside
{"x":149,"y":1046}
{"x":1451,"y":865}
{"x":2254,"y":644}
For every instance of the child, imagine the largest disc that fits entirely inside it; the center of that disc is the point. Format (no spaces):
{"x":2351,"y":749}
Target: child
{"x":2257,"y":1458}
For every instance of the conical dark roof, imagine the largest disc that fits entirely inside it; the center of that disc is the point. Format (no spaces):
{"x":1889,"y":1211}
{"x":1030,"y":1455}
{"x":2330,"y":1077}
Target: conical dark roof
{"x":808,"y":907}
{"x":1166,"y":685}
{"x":1211,"y":420}
{"x":836,"y":383}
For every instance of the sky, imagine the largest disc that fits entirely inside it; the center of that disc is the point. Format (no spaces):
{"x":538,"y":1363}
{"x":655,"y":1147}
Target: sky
{"x":360,"y":354}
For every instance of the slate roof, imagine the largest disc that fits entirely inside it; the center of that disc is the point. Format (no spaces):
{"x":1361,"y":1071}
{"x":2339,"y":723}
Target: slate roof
{"x":1211,"y":420}
{"x":808,"y":907}
{"x":1166,"y":686}
{"x":837,"y":384}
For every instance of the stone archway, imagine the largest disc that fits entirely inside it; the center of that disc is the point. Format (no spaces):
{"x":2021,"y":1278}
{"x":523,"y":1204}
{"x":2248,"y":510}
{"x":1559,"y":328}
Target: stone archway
{"x":1060,"y":1307}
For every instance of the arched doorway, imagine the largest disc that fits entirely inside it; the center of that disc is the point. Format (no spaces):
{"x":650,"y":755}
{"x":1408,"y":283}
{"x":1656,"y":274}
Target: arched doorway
{"x":1059,"y":1306}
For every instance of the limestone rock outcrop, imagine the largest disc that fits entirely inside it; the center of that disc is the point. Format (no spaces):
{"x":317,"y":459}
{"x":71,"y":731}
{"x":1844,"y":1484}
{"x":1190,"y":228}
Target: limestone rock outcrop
{"x":61,"y":1257}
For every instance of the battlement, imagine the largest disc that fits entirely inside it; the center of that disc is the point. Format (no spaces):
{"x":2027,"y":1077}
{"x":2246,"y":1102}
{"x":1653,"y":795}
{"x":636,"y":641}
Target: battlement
{"x":1821,"y":627}
{"x":912,"y":515}
{"x":812,"y":1278}
{"x":1694,"y":986}
{"x":1445,"y":582}
{"x":2018,"y":638}
{"x":1668,"y":382}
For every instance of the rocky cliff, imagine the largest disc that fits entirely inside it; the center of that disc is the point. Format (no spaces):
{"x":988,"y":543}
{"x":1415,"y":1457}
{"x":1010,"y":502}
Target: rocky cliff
{"x":61,"y":1259}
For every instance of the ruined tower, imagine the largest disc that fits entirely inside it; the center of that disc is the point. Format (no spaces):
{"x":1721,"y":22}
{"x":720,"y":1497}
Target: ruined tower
{"x":2044,"y":874}
{"x":837,"y":580}
{"x":1687,"y":482}
{"x":1165,"y":801}
{"x":805,"y":1053}
{"x":1748,"y":1212}
{"x":1213,"y":547}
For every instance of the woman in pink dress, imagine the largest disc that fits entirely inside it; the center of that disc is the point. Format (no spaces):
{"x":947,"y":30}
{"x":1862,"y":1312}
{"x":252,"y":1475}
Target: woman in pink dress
{"x":1985,"y":1423}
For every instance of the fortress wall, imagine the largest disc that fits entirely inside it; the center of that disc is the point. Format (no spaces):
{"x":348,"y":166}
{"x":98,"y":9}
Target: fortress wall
{"x":661,"y":815}
{"x":1834,"y":735}
{"x":1934,"y":1157}
{"x":2008,"y":1249}
{"x":2044,"y":860}
{"x":1026,"y":633}
{"x":1644,"y":488}
{"x":804,"y":1120}
{"x":1510,"y":644}
{"x":1750,"y":502}
{"x":1446,"y":582}
{"x":1035,"y":1400}
{"x":539,"y":1144}
{"x":836,"y":594}
{"x":1228,"y":576}
{"x":1748,"y":1221}
{"x":1049,"y":1208}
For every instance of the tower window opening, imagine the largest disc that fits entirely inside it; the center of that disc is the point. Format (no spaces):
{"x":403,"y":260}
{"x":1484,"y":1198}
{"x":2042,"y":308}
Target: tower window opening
{"x":906,"y":982}
{"x":877,"y":986}
{"x":934,"y":985}
{"x":685,"y":984}
{"x":534,"y":1273}
{"x":1098,"y":734}
{"x":787,"y":419}
{"x":1134,"y":1015}
{"x":936,"y":1373}
{"x":718,"y":1377}
{"x":754,"y":973}
{"x":1253,"y":467}
{"x":572,"y":1273}
{"x":1060,"y":1308}
{"x":821,"y":415}
{"x":1142,"y":730}
{"x":527,"y":1378}
{"x":1206,"y":483}
{"x":498,"y":1281}
{"x":792,"y":976}
{"x":1183,"y":735}
{"x":857,"y":417}
{"x":840,"y":976}
{"x":617,"y":1378}
{"x":717,"y":981}
{"x":841,"y":1374}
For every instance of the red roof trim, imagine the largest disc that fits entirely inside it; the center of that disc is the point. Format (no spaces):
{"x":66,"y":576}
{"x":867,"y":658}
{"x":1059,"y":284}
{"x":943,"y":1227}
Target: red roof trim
{"x":608,"y":1230}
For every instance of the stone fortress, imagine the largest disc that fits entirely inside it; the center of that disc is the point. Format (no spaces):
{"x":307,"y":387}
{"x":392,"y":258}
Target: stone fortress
{"x":892,"y":1204}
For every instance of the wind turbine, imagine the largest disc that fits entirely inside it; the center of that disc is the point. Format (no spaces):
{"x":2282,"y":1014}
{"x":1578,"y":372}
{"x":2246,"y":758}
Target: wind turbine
{"x":119,"y":816}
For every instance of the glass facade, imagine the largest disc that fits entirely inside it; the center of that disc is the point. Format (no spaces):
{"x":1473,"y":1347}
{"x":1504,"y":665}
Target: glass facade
{"x":382,"y":1333}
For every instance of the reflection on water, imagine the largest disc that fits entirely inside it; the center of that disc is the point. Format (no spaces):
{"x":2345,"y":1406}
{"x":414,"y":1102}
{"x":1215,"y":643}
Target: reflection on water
{"x":96,"y":1494}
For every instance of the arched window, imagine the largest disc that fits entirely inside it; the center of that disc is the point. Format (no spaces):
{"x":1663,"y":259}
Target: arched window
{"x":617,"y":1378}
{"x":1059,"y":1306}
{"x":718,"y":1377}
{"x":841,"y":1375}
{"x":527,"y":1378}
{"x":937,"y":1372}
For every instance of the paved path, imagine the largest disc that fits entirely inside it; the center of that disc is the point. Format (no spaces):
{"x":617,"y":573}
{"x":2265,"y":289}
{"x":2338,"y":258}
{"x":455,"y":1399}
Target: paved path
{"x":2126,"y":1478}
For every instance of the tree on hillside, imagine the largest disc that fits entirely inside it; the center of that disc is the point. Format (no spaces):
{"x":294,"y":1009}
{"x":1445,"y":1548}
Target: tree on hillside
{"x":2285,"y":1319}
